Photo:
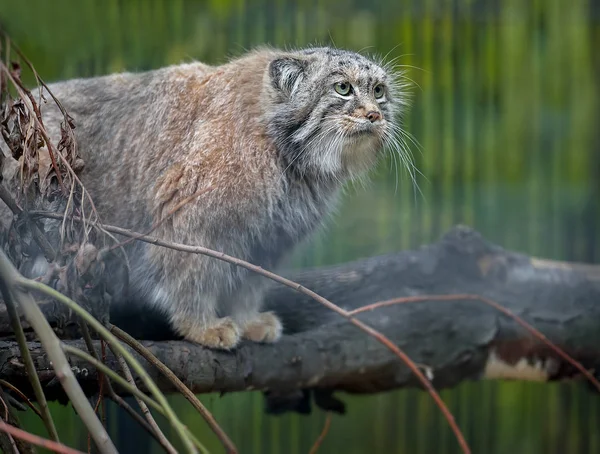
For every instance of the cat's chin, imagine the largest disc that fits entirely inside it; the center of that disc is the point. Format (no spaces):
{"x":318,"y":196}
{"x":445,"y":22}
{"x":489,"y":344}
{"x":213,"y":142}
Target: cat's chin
{"x":360,"y":154}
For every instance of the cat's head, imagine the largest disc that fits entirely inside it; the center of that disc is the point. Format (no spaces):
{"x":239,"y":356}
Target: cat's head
{"x":331,"y":112}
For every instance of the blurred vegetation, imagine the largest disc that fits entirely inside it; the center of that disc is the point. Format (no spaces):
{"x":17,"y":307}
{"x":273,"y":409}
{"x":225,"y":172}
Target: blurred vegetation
{"x":506,"y":112}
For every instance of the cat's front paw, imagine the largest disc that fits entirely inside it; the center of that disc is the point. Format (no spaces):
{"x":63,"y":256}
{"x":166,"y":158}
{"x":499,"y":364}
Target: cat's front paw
{"x":265,"y":327}
{"x":223,"y":334}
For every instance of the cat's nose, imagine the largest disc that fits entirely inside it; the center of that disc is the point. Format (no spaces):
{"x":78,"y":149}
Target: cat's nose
{"x":373,"y":116}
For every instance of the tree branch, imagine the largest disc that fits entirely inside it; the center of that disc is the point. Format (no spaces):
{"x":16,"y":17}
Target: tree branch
{"x":454,"y":340}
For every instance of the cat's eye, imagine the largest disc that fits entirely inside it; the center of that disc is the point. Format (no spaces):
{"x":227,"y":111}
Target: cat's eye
{"x":378,"y":91}
{"x":343,"y":88}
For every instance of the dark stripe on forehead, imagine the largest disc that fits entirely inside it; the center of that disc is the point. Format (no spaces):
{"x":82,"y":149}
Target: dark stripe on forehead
{"x":336,"y":73}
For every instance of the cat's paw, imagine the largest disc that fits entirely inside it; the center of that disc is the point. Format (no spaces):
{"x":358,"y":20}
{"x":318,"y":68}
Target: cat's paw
{"x":265,"y":327}
{"x":223,"y":334}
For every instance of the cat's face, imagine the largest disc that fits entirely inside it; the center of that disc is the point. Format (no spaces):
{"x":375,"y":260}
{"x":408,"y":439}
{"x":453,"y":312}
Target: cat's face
{"x":333,"y":111}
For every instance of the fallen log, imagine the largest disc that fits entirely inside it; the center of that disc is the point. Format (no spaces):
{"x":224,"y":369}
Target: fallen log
{"x":453,"y":341}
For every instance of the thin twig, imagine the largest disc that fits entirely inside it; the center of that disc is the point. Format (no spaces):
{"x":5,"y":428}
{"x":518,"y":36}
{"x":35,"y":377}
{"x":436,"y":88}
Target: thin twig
{"x":114,"y":376}
{"x":7,"y":442}
{"x":459,"y":297}
{"x":101,"y":379}
{"x":188,"y":394}
{"x":11,"y":440}
{"x":5,"y":405}
{"x":111,"y":392}
{"x":14,"y":402}
{"x":11,"y":278}
{"x":145,"y":410}
{"x":38,"y":441}
{"x":103,"y":409}
{"x":300,"y":288}
{"x":22,"y":396}
{"x":26,"y":356}
{"x":134,"y":390}
{"x":322,"y":435}
{"x":134,"y":414}
{"x":10,"y":202}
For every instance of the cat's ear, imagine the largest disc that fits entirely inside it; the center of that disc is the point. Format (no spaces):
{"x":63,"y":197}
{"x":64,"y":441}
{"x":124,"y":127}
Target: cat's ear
{"x":286,"y":73}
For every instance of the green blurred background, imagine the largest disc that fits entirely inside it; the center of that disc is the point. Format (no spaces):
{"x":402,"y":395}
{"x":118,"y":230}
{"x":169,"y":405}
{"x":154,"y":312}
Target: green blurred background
{"x":507,"y":114}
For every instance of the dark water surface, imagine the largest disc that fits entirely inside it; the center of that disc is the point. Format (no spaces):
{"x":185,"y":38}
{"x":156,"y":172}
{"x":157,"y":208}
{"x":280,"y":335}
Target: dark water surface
{"x":507,"y":115}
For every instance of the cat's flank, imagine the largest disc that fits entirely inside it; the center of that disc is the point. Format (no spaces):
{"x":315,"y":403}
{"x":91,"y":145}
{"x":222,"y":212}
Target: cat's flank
{"x":272,"y":134}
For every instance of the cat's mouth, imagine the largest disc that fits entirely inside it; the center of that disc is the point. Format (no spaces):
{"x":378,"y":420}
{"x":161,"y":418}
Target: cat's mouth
{"x":356,"y":127}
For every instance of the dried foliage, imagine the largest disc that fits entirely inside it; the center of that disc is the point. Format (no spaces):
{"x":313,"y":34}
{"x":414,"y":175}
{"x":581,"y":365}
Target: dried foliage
{"x":39,"y":174}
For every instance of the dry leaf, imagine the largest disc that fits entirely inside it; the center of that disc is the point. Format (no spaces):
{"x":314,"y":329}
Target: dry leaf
{"x":44,"y":168}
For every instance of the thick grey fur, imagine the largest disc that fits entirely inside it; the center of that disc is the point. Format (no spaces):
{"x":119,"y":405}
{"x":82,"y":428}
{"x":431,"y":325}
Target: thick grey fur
{"x":270,"y":138}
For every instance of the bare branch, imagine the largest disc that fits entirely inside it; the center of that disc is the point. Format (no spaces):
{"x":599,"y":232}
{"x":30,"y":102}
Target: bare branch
{"x":11,"y":440}
{"x":189,"y":395}
{"x":130,"y":388}
{"x":23,"y":397}
{"x":160,"y":436}
{"x":322,"y":435}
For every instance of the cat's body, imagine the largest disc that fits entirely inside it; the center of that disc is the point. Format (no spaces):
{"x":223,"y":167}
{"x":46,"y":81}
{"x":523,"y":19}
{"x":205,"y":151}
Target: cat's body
{"x":259,"y":144}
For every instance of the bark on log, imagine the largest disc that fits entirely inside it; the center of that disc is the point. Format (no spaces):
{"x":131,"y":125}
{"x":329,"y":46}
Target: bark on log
{"x":455,"y":340}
